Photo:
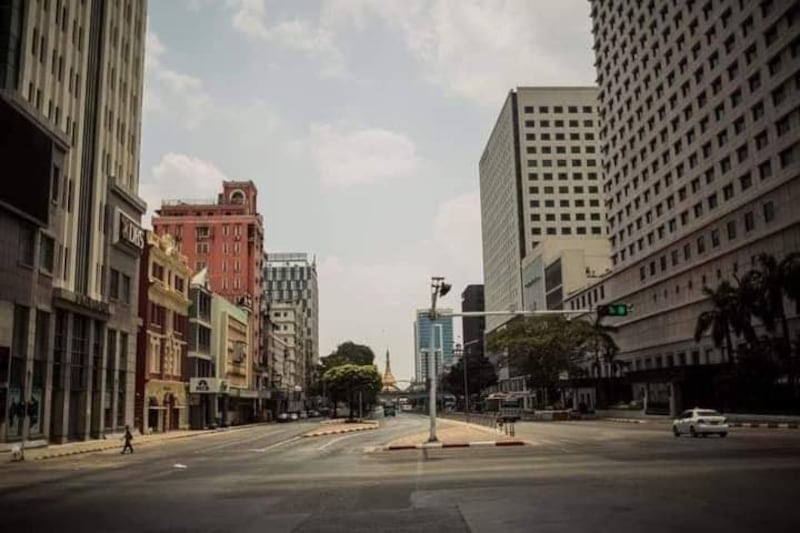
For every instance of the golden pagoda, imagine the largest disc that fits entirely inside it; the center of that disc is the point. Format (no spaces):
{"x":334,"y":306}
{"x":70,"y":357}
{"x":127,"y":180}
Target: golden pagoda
{"x":389,"y":383}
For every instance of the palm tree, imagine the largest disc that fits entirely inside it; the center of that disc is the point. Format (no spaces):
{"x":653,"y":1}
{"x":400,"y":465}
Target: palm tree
{"x":597,"y":340}
{"x":771,"y":282}
{"x":725,"y":315}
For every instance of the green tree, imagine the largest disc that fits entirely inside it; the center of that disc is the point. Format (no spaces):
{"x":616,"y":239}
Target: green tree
{"x":730,"y":313}
{"x":349,"y":353}
{"x":480,"y":374}
{"x":347,"y":381}
{"x":542,"y":347}
{"x":769,"y":284}
{"x":599,"y":343}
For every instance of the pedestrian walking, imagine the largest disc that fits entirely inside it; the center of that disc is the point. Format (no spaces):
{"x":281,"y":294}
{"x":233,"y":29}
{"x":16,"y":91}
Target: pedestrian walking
{"x":128,"y":438}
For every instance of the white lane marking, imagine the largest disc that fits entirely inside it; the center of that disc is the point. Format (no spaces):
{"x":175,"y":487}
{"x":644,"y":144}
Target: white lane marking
{"x":334,"y":441}
{"x":276,"y":445}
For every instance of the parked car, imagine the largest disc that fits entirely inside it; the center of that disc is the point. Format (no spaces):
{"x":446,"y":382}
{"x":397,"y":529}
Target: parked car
{"x":283,"y":417}
{"x":389,"y":410}
{"x":314,"y":414}
{"x":303,"y":415}
{"x":294,"y":417}
{"x":697,"y":422}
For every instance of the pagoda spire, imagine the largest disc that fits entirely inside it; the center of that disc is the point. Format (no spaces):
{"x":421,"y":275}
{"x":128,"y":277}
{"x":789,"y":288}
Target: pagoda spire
{"x":389,"y":382}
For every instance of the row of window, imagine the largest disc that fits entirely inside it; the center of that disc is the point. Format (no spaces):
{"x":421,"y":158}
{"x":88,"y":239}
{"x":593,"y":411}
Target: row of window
{"x":561,"y":163}
{"x":564,"y":189}
{"x":566,"y":230}
{"x":167,"y":277}
{"x":590,"y":149}
{"x":587,"y":123}
{"x":562,"y":176}
{"x":572,"y":109}
{"x":564,"y":217}
{"x":573,"y":136}
{"x":579,"y":202}
{"x":119,"y":287}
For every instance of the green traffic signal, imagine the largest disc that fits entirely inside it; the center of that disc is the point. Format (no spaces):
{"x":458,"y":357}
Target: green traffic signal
{"x":613,"y":310}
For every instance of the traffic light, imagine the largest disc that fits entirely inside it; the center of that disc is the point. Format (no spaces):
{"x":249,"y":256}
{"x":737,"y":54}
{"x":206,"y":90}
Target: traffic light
{"x":613,"y":310}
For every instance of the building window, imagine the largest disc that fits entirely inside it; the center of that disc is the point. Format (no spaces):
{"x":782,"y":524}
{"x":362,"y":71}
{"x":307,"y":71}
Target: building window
{"x":715,"y":238}
{"x":46,"y":254}
{"x":731,"y":227}
{"x":769,"y":211}
{"x":749,"y":221}
{"x":113,"y":285}
{"x":701,"y":245}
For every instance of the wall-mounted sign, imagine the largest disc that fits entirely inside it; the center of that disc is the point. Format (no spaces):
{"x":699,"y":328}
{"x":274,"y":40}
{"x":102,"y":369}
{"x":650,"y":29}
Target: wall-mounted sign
{"x":128,"y":230}
{"x":207,"y":386}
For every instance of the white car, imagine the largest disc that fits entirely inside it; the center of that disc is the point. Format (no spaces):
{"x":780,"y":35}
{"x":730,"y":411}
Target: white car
{"x":697,"y":422}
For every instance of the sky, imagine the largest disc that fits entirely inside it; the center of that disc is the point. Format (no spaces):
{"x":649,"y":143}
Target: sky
{"x":361,"y":122}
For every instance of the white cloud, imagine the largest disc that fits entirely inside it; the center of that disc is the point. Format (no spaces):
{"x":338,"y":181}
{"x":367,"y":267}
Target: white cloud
{"x":249,"y":18}
{"x":179,"y":176}
{"x":170,"y":91}
{"x":363,"y":156}
{"x":479,"y":49}
{"x":316,"y":40}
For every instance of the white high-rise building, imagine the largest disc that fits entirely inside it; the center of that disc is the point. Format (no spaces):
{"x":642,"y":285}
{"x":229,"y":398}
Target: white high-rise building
{"x":540,"y":182}
{"x":698,"y":103}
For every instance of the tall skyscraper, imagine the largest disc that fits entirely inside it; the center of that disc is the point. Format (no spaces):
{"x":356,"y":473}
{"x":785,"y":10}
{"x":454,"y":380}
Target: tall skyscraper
{"x":432,"y":335}
{"x":224,"y":236}
{"x":292,"y":278}
{"x":702,"y":158}
{"x":76,"y":70}
{"x":540,"y":182}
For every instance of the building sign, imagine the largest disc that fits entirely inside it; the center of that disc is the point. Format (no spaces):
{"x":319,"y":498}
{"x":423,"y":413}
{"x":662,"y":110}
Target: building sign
{"x":128,"y":230}
{"x":207,"y":385}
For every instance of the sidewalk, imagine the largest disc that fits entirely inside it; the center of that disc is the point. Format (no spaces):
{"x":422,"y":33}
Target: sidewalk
{"x":53,"y":451}
{"x":454,"y":434}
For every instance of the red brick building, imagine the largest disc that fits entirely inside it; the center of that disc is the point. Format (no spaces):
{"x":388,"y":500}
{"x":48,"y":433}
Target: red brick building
{"x":225,"y":236}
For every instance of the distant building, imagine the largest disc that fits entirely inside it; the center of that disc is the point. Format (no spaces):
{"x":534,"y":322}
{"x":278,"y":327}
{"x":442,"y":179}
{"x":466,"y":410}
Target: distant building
{"x":540,"y":180}
{"x":434,"y":336}
{"x":162,"y":352}
{"x":291,"y":278}
{"x":287,"y":368}
{"x":473,"y":327}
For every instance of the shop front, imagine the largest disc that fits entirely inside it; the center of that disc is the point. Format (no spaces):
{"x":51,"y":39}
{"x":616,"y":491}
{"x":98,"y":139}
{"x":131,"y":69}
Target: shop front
{"x":166,"y":406}
{"x":204,"y":400}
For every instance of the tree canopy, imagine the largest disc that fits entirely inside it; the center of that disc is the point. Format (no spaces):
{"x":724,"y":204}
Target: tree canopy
{"x":349,"y":353}
{"x":543,"y":347}
{"x":346,"y":381}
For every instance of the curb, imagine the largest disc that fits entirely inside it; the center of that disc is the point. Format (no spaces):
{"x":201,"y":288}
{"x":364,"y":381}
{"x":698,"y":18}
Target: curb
{"x":769,"y":425}
{"x":625,"y":420}
{"x":339,"y":431}
{"x":476,"y":444}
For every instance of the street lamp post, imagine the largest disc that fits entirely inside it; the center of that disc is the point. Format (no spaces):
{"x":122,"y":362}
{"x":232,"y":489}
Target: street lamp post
{"x":438,"y":288}
{"x":464,"y":361}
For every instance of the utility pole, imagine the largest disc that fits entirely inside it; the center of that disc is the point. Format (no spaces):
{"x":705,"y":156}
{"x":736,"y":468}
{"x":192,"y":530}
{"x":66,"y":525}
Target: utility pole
{"x":464,"y":361}
{"x":438,"y":288}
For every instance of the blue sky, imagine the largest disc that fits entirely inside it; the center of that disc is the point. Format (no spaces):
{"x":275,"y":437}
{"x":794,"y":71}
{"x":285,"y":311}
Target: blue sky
{"x":361,"y":123}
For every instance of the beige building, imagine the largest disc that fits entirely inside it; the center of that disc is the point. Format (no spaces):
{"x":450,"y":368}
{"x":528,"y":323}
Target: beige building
{"x":702,"y":165}
{"x":540,"y":180}
{"x":231,"y":340}
{"x":162,"y":351}
{"x":288,"y":326}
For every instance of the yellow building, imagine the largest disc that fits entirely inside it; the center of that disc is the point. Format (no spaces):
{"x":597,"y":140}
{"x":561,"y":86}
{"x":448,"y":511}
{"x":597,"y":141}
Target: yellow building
{"x":162,"y":357}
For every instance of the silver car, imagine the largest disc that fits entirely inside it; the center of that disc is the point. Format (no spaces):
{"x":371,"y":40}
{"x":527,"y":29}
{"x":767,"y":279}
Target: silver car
{"x":700,"y":422}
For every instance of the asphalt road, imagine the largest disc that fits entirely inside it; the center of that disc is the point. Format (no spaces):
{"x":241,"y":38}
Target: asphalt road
{"x":575,"y":476}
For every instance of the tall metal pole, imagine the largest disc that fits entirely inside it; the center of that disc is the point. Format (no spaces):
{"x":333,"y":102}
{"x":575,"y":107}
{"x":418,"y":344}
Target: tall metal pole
{"x":432,"y":367}
{"x":466,"y":385}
